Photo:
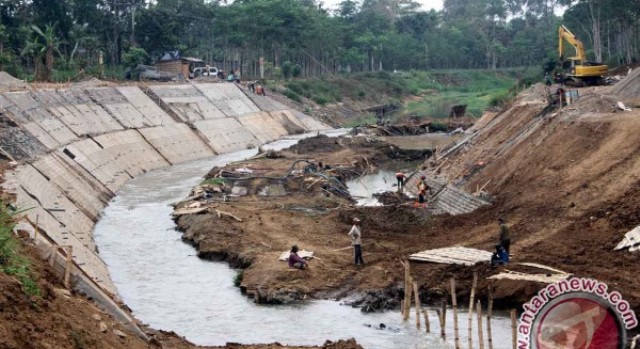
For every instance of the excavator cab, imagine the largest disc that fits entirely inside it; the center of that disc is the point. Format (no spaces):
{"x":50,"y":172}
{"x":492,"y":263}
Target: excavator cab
{"x":577,"y":70}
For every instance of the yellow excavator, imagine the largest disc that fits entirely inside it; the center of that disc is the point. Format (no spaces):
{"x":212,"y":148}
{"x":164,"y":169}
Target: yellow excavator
{"x":577,"y":70}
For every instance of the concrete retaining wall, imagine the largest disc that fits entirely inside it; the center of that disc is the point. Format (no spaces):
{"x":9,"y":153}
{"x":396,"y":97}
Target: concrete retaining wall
{"x":81,"y":145}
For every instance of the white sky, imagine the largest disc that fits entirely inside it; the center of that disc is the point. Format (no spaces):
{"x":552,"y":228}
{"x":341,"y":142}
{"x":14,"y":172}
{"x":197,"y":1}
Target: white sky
{"x":426,"y":4}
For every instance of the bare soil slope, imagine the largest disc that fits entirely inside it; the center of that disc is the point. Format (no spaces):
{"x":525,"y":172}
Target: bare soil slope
{"x":566,"y":180}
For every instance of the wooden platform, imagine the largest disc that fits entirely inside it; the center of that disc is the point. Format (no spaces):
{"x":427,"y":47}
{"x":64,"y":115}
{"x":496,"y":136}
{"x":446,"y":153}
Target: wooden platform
{"x":631,"y":241}
{"x":452,"y":255}
{"x":541,"y":278}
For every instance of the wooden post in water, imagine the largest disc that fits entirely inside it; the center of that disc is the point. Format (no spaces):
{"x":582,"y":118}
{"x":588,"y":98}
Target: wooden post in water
{"x":67,"y":267}
{"x":443,"y":324}
{"x":418,"y":306}
{"x":454,"y":305}
{"x":480,"y":335}
{"x":489,"y":315}
{"x":427,"y":323}
{"x":407,"y":290}
{"x":407,"y":301}
{"x":514,"y":334}
{"x":472,"y":299}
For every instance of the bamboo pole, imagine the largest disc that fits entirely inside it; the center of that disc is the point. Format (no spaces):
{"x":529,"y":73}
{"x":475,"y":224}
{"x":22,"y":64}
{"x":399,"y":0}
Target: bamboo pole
{"x":454,"y":305}
{"x":407,"y":291}
{"x":443,"y":320}
{"x":514,"y":334}
{"x":35,"y":233}
{"x":67,"y":267}
{"x":427,"y":323}
{"x":407,"y":300}
{"x":52,"y":256}
{"x":472,"y":298}
{"x":480,"y":336}
{"x":418,"y":306}
{"x":489,"y":315}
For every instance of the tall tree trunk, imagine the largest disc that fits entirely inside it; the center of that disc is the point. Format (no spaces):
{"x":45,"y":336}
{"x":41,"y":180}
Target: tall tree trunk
{"x":49,"y":63}
{"x":596,"y":21}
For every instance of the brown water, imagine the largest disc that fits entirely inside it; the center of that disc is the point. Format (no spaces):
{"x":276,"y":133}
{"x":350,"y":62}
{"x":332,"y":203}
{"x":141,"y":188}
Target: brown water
{"x":169,"y":288}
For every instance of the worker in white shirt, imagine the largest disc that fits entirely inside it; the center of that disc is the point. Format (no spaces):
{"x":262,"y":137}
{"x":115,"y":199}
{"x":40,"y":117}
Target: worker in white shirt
{"x":356,"y":235}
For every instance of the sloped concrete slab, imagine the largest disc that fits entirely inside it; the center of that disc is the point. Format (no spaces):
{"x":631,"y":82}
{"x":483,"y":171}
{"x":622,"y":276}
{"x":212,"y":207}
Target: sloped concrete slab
{"x":177,"y":143}
{"x":228,"y":98}
{"x":264,"y":127}
{"x":116,"y":157}
{"x":227,"y":135}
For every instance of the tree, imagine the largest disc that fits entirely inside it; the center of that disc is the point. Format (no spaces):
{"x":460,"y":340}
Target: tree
{"x":49,"y":46}
{"x":135,"y":56}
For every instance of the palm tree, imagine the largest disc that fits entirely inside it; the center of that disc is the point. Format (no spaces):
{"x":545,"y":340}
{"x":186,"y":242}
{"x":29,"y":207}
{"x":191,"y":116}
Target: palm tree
{"x":47,"y":43}
{"x":35,"y":50}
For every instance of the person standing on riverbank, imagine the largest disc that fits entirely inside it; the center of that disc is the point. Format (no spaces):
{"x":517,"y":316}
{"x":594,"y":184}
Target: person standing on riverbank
{"x":401,"y":177}
{"x":356,"y":240}
{"x":504,"y":235}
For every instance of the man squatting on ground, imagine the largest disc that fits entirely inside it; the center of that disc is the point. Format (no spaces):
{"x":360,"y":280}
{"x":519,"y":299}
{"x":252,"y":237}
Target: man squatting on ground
{"x":356,"y":241}
{"x":295,"y":261}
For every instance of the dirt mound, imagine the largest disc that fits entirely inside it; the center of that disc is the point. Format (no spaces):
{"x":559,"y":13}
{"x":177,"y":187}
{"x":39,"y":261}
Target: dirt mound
{"x":317,"y":144}
{"x":8,"y":82}
{"x":391,"y":198}
{"x":628,"y":90}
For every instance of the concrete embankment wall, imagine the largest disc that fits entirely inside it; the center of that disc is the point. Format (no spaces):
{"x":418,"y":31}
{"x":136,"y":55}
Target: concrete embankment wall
{"x":76,"y":146}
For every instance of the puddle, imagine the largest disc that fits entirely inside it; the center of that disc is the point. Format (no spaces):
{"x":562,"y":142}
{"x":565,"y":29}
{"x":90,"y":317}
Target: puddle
{"x":363,"y":188}
{"x":168,"y":287}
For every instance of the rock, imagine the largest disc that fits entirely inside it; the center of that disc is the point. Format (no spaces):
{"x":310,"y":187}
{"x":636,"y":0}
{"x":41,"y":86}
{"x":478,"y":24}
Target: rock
{"x":96,"y":317}
{"x":62,"y":293}
{"x":103,"y":327}
{"x":119,"y":333}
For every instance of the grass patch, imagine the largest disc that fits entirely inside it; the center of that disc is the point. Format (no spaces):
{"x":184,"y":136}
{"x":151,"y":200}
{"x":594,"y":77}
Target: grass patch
{"x":214,"y":181}
{"x":368,"y":119}
{"x":237,"y":280}
{"x":12,"y":262}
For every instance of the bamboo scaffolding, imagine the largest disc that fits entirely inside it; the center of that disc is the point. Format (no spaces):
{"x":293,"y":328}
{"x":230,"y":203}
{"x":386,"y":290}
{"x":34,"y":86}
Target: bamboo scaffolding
{"x":489,"y":315}
{"x":418,"y":306}
{"x":480,"y":336}
{"x":454,"y":305}
{"x":471,"y":306}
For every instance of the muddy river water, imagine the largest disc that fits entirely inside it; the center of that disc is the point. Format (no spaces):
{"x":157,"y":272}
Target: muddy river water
{"x":168,"y":287}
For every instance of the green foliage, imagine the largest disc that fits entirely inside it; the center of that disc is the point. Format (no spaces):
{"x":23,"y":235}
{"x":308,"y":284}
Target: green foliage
{"x":12,"y":262}
{"x":214,"y":181}
{"x":369,"y":119}
{"x":296,"y":70}
{"x":292,"y":95}
{"x":135,"y":56}
{"x":438,"y":127}
{"x":287,"y":69}
{"x":237,"y":280}
{"x":304,"y":40}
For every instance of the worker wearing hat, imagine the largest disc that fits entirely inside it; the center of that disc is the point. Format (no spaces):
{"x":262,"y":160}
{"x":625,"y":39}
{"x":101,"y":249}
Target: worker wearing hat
{"x":422,"y":191}
{"x":355,"y":234}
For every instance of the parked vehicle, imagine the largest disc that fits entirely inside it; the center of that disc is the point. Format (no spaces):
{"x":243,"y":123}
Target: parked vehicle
{"x":204,"y":71}
{"x":148,"y":72}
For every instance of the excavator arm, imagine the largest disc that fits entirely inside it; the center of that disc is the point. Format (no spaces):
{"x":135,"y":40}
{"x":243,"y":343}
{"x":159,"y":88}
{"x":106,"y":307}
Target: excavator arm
{"x":566,"y":34}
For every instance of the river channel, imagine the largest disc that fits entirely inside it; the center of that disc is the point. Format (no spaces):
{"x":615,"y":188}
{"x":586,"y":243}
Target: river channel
{"x":169,"y":288}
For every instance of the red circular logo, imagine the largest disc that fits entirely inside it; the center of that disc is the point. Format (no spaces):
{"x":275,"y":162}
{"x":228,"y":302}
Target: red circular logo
{"x":577,"y":321}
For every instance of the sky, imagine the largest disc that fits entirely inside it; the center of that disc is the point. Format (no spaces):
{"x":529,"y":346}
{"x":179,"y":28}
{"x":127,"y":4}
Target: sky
{"x":426,"y":4}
